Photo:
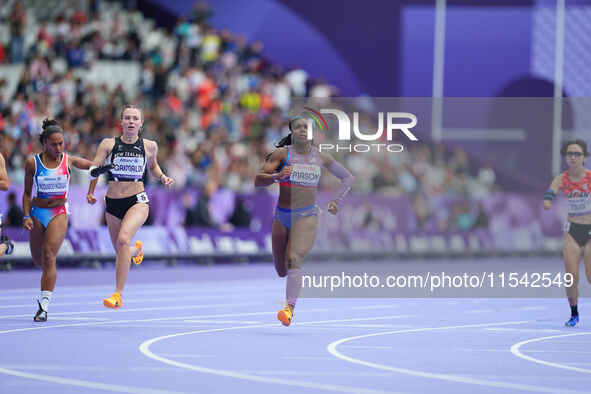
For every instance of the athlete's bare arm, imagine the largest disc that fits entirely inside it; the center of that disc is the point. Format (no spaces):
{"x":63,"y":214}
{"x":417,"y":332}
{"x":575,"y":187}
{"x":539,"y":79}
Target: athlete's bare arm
{"x":268,"y":173}
{"x":327,"y":159}
{"x":4,"y":180}
{"x":151,"y":148}
{"x":554,"y":187}
{"x":345,"y":177}
{"x":79,"y":162}
{"x":27,"y":204}
{"x":103,"y":150}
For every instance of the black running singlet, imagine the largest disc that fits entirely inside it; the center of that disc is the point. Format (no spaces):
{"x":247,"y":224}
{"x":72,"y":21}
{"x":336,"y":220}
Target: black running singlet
{"x":129,"y":161}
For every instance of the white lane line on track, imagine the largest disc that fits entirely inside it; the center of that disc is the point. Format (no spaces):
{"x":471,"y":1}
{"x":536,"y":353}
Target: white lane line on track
{"x":239,"y":283}
{"x":558,"y":351}
{"x":85,"y":383}
{"x":479,"y":311}
{"x":190,"y":355}
{"x":526,"y":351}
{"x":129,"y":389}
{"x":369,"y":325}
{"x":515,"y":349}
{"x":113,"y":387}
{"x":359,"y":319}
{"x":313,"y":373}
{"x":543,"y":379}
{"x":224,"y":321}
{"x":145,"y":349}
{"x":166,"y":368}
{"x":368,"y":347}
{"x":56,"y":367}
{"x":385,"y":306}
{"x":208,"y":319}
{"x":157,"y":308}
{"x":173,"y":290}
{"x":59,"y":318}
{"x":579,"y":343}
{"x":332,"y":349}
{"x":129,"y":300}
{"x":45,"y":326}
{"x":513,"y":330}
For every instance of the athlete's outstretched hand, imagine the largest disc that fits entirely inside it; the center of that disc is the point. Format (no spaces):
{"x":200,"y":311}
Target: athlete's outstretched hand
{"x":333,"y":207}
{"x":166,"y":181}
{"x":28,"y":224}
{"x":285,"y":173}
{"x":90,"y":198}
{"x":547,"y":204}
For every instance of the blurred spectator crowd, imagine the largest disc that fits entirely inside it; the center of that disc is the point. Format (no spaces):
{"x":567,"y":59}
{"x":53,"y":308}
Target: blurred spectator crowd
{"x":211,"y":100}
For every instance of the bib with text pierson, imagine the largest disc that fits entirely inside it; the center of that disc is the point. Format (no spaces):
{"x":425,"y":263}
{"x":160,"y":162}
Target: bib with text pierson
{"x":306,"y":168}
{"x":305,"y":175}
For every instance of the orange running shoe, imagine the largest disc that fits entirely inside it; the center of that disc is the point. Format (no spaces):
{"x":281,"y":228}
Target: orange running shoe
{"x":113,"y":302}
{"x":285,"y":315}
{"x":137,"y":260}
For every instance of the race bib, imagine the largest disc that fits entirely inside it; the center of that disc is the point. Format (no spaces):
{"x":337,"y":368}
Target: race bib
{"x":142,"y":197}
{"x":128,"y":167}
{"x":305,"y":175}
{"x":53,"y":185}
{"x":578,"y":206}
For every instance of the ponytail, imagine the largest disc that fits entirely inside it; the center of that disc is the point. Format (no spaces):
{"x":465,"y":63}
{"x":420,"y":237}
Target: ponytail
{"x":284,"y":141}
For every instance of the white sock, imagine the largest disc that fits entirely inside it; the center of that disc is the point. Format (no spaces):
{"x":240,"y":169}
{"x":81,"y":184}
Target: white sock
{"x":45,"y":299}
{"x":293,"y":285}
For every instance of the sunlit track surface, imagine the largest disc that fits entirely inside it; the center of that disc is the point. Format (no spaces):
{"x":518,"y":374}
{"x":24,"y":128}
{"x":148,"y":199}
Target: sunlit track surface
{"x":213,"y":329}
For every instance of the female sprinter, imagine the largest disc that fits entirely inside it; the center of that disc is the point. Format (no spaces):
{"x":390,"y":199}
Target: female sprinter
{"x":45,"y":205}
{"x":296,"y":166}
{"x":126,"y":201}
{"x":575,"y":184}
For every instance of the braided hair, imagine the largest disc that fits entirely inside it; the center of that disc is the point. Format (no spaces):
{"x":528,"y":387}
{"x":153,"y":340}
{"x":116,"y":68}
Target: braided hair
{"x":284,"y":141}
{"x":287,"y":140}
